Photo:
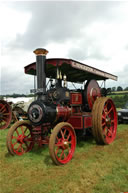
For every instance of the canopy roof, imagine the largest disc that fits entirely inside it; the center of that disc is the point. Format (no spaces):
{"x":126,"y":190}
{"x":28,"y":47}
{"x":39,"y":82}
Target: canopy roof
{"x":74,"y":70}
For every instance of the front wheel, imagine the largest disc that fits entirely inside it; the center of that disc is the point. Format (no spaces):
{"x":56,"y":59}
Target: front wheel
{"x":62,"y":143}
{"x":19,"y":138}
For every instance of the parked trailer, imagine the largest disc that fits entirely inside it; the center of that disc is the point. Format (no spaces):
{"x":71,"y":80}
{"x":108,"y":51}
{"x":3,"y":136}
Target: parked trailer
{"x":58,"y":112}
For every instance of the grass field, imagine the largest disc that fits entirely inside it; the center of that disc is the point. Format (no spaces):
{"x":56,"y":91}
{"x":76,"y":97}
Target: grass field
{"x":120,"y":92}
{"x":94,"y":168}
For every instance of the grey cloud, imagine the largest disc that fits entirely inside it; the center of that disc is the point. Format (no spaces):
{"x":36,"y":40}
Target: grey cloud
{"x":126,"y":47}
{"x":15,"y":81}
{"x":88,"y":49}
{"x":58,"y":21}
{"x":122,"y":78}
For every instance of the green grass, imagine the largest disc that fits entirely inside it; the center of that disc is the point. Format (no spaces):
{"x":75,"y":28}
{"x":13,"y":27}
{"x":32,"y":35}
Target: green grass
{"x":120,"y":92}
{"x":94,"y":168}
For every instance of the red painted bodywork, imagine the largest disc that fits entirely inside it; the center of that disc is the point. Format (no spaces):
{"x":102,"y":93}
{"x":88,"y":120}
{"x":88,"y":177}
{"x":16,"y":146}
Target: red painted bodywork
{"x":37,"y":134}
{"x":74,"y":116}
{"x":81,"y":121}
{"x":75,"y":99}
{"x":63,"y":113}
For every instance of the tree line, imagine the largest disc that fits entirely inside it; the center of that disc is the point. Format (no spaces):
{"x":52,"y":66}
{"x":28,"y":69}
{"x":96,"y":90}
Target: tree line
{"x":120,"y":100}
{"x":15,"y":95}
{"x":119,"y":88}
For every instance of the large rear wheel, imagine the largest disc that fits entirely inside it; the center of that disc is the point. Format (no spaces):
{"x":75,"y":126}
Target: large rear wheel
{"x":62,"y":143}
{"x":19,"y":138}
{"x":5,"y":114}
{"x":104,"y":120}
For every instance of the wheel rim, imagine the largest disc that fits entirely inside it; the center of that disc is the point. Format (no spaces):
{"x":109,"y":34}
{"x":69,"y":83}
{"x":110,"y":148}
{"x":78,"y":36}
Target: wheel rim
{"x":65,"y":143}
{"x":5,"y":114}
{"x":104,"y":120}
{"x":21,"y":139}
{"x":109,"y":121}
{"x":95,"y":121}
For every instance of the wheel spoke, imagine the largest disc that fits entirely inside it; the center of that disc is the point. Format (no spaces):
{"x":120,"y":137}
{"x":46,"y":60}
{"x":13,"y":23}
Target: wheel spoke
{"x":64,"y":156}
{"x":57,"y":150}
{"x":22,"y":130}
{"x":62,"y":134}
{"x":18,"y":147}
{"x":103,"y":124}
{"x":103,"y":116}
{"x":2,"y":108}
{"x":25,"y":130}
{"x":28,"y":135}
{"x":17,"y":132}
{"x":61,"y":154}
{"x":106,"y":105}
{"x":57,"y":139}
{"x":110,"y":132}
{"x":68,"y":137}
{"x":14,"y":144}
{"x":109,"y":111}
{"x":6,"y":114}
{"x":14,"y":137}
{"x":59,"y":144}
{"x":22,"y":150}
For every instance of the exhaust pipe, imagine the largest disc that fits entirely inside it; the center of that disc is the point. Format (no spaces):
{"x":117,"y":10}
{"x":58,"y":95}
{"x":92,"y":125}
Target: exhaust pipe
{"x":41,"y":72}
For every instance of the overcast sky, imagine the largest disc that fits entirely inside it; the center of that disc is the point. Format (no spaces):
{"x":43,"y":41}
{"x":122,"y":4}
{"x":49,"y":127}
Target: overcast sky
{"x":92,"y":32}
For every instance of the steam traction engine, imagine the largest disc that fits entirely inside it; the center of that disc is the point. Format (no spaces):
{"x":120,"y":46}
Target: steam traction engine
{"x":58,"y":112}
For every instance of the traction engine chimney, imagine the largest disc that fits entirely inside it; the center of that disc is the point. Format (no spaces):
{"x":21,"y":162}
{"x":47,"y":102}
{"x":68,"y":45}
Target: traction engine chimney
{"x":41,"y":72}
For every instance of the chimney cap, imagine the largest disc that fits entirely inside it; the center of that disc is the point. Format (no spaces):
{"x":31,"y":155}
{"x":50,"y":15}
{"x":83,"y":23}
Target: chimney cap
{"x":41,"y":51}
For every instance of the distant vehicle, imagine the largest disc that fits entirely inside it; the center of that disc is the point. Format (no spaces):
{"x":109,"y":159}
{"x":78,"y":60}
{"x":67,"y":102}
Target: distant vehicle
{"x":123,"y":114}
